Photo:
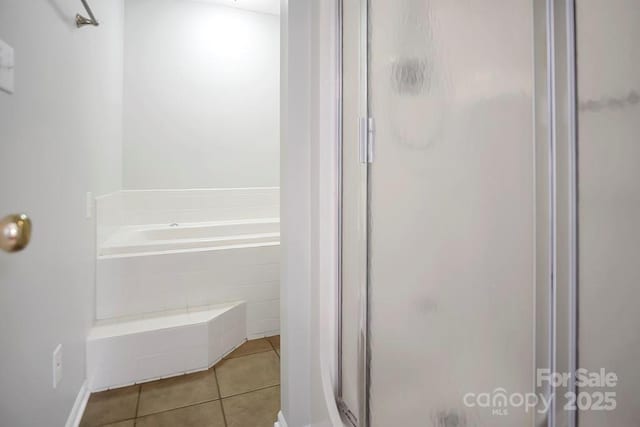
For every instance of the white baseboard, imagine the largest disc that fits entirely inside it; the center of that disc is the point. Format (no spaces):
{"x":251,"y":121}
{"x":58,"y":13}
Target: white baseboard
{"x":78,"y":406}
{"x":281,"y":422}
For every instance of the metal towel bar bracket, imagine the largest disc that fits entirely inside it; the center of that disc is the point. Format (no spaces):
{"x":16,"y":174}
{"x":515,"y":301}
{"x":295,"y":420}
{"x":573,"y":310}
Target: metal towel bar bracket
{"x":81,"y":21}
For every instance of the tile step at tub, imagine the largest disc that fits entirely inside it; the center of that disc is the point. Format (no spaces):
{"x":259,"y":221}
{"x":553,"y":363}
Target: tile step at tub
{"x":132,"y":350}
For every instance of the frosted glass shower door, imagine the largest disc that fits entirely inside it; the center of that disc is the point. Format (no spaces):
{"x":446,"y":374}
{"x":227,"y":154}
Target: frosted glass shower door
{"x":608,"y":91}
{"x":451,"y":227}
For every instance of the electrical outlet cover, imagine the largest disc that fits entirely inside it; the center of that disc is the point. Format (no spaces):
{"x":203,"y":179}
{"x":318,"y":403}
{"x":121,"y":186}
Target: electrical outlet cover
{"x":7,"y":65}
{"x":57,"y":365}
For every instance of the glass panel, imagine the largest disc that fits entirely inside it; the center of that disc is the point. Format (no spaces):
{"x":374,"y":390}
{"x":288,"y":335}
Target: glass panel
{"x":354,"y":209}
{"x":451,"y":210}
{"x":608,"y":63}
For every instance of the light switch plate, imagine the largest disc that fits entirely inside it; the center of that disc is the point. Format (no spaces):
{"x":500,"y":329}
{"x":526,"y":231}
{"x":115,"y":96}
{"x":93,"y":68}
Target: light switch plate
{"x":7,"y":65}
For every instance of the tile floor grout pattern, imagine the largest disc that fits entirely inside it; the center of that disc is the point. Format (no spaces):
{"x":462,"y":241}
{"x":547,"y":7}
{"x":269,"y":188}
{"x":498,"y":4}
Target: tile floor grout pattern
{"x":224,"y":417}
{"x":242,"y":390}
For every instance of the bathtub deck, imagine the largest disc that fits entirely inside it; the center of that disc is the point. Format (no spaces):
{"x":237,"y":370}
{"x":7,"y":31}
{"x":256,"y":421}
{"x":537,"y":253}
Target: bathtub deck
{"x":163,"y":238}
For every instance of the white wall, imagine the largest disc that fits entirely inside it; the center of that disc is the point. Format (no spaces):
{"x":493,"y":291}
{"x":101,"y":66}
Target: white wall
{"x":59,"y":138}
{"x":201,"y":96}
{"x":295,"y":214}
{"x":308,"y":213}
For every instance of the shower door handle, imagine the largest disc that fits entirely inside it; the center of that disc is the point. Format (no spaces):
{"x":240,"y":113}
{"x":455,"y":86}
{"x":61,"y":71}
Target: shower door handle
{"x":366,"y":137}
{"x":15,"y":232}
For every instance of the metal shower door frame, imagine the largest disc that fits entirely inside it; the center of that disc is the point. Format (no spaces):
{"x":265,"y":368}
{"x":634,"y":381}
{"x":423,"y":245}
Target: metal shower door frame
{"x":559,"y":334}
{"x":563,"y":148}
{"x":359,"y":416}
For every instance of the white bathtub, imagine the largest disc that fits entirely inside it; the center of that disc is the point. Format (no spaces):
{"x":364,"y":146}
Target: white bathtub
{"x":182,"y":277}
{"x":161,"y":251}
{"x":167,"y":238}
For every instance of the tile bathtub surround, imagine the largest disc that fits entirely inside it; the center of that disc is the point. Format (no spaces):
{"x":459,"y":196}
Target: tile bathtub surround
{"x":129,"y":286}
{"x":150,"y":283}
{"x":248,"y":382}
{"x":136,"y":207}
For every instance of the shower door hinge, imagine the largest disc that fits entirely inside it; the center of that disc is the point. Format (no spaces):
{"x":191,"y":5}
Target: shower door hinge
{"x":367,"y":139}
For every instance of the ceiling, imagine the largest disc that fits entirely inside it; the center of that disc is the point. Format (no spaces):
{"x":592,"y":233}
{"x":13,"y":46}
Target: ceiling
{"x":264,"y":6}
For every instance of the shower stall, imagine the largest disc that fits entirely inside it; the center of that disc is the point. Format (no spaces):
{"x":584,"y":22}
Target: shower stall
{"x":490,"y":197}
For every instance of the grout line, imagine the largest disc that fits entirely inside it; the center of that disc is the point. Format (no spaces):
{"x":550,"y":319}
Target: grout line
{"x":137,"y":405}
{"x":220,"y":397}
{"x":118,"y":422}
{"x":224,"y":416}
{"x":274,"y":349}
{"x":247,"y":354}
{"x":205,"y":402}
{"x":248,"y":392}
{"x":199,"y":402}
{"x":176,"y":408}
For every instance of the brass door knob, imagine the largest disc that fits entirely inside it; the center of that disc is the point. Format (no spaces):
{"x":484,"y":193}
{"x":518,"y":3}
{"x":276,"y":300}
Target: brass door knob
{"x":15,"y":232}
